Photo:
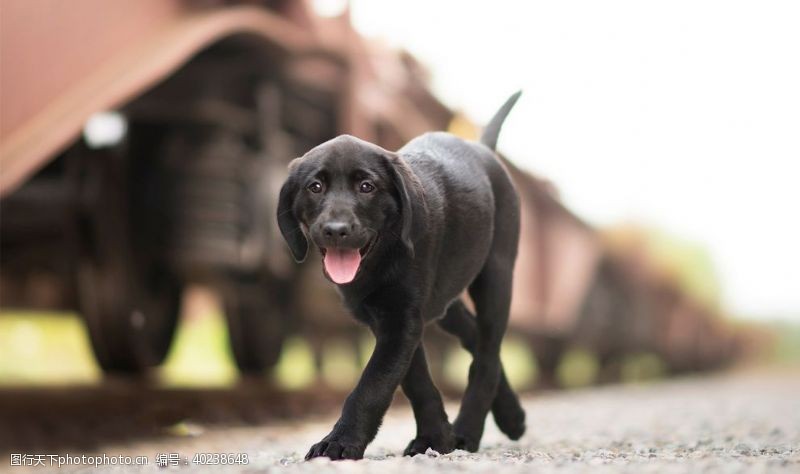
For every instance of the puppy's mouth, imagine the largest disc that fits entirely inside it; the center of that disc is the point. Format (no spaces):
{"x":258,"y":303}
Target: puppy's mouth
{"x":342,"y":264}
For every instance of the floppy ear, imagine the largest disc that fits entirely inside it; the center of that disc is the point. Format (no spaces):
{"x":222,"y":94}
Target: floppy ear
{"x":288,"y":223}
{"x":411,"y":199}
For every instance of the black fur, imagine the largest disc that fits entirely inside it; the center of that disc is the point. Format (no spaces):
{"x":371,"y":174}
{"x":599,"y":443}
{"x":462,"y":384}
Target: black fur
{"x":439,"y":216}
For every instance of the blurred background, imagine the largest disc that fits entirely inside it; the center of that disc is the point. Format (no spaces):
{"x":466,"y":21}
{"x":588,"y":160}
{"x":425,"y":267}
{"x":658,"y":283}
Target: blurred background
{"x":143,"y":144}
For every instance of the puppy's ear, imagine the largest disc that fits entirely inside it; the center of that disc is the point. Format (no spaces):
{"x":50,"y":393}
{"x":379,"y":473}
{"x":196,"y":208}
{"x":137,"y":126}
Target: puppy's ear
{"x":411,"y":199}
{"x":287,"y":221}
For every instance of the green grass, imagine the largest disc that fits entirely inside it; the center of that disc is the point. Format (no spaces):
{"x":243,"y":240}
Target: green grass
{"x":642,"y":368}
{"x":45,"y":349}
{"x":787,"y":347}
{"x":39,"y":348}
{"x":578,"y":368}
{"x":200,"y":354}
{"x":295,"y":369}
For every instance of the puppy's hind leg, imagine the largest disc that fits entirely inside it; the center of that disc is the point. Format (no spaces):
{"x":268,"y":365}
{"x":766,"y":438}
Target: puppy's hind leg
{"x":506,"y":409}
{"x":433,"y":428}
{"x":491,"y":292}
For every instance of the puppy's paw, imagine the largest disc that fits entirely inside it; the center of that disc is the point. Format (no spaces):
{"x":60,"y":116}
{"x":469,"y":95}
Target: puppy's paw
{"x":336,"y":449}
{"x":442,"y":444}
{"x":510,"y":418}
{"x":467,"y":443}
{"x":468,"y":432}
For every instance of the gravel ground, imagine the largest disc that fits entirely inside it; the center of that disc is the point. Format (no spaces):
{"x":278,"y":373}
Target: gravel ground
{"x":744,"y":422}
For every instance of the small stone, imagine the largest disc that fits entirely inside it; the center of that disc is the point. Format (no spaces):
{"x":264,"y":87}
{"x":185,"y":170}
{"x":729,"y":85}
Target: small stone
{"x":743,"y":449}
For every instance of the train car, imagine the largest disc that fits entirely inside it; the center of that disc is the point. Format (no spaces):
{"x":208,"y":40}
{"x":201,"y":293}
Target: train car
{"x":575,"y":287}
{"x":647,"y":312}
{"x":141,"y":146}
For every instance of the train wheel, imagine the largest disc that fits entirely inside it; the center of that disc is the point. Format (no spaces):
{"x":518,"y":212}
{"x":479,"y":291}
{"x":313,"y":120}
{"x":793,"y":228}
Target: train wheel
{"x":131,"y":323}
{"x":548,"y":351}
{"x":127,"y":296}
{"x":256,"y":326}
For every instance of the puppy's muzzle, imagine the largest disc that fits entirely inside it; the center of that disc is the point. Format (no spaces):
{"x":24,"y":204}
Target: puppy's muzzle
{"x":337,"y":231}
{"x":337,"y":234}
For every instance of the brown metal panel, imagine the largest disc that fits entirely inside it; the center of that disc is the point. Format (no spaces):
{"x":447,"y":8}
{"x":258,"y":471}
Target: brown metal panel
{"x":170,"y":35}
{"x":573,"y":252}
{"x":558,"y":255}
{"x":48,"y":46}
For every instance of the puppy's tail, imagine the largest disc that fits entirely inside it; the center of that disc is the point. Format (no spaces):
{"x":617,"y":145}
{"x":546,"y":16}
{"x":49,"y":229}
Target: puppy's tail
{"x":492,"y":131}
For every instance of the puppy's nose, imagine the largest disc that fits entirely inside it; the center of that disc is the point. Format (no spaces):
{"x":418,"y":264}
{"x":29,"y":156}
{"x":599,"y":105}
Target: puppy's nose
{"x":336,"y":230}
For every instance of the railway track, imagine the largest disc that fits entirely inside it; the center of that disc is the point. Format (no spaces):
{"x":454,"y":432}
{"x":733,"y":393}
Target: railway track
{"x":120,"y":411}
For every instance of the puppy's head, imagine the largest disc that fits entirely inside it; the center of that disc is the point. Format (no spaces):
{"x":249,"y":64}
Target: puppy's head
{"x":349,"y":197}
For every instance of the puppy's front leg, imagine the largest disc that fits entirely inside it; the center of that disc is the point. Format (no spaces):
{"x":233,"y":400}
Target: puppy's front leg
{"x":397,"y":337}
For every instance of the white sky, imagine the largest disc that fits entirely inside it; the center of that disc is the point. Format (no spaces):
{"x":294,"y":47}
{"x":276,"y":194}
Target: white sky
{"x":681,"y":114}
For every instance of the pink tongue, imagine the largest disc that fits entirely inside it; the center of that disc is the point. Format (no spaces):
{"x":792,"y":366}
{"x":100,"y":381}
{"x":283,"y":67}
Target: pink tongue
{"x":342,"y":264}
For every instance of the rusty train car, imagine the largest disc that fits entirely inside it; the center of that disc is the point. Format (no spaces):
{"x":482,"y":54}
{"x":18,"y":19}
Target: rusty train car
{"x":573,"y":289}
{"x":211,"y":99}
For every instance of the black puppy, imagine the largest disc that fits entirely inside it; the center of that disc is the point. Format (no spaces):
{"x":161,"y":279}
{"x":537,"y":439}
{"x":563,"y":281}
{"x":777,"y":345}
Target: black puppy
{"x":403,"y":235}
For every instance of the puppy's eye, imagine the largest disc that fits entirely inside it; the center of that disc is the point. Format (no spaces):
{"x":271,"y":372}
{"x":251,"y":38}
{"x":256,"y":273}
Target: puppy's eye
{"x":366,"y":187}
{"x":315,"y":187}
